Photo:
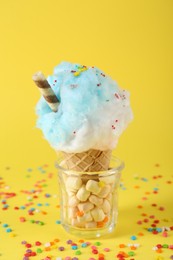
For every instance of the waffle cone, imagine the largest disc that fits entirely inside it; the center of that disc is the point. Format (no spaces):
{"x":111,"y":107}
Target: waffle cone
{"x":89,"y":161}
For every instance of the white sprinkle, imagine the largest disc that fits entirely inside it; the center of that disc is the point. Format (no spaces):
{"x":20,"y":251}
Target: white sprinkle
{"x":47,"y":244}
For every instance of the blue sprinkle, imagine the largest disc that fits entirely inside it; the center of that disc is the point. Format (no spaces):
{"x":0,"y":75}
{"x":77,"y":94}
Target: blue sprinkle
{"x":5,"y":225}
{"x":5,"y":206}
{"x":58,"y":222}
{"x":84,"y":245}
{"x":150,"y":229}
{"x":156,"y":189}
{"x":47,"y":204}
{"x":74,"y":247}
{"x":159,"y":229}
{"x":8,"y":230}
{"x":22,"y":207}
{"x":133,"y":237}
{"x":31,"y":209}
{"x":47,"y":195}
{"x":39,"y":204}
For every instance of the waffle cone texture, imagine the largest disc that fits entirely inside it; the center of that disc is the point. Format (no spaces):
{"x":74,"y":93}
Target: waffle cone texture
{"x":89,"y":161}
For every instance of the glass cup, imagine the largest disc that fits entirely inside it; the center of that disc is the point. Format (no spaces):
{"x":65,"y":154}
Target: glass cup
{"x":89,"y":200}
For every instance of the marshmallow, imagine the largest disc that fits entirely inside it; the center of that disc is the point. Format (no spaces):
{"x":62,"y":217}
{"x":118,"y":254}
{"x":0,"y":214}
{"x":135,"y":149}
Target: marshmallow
{"x":97,"y":214}
{"x":73,"y":183}
{"x":109,"y":197}
{"x":91,"y":224}
{"x":72,"y":212}
{"x":85,"y":218}
{"x":82,"y":194}
{"x":76,"y":223}
{"x":93,"y":186}
{"x":104,"y":191}
{"x":95,"y":200}
{"x":85,"y":207}
{"x":73,"y":201}
{"x":71,"y":193}
{"x":106,"y":206}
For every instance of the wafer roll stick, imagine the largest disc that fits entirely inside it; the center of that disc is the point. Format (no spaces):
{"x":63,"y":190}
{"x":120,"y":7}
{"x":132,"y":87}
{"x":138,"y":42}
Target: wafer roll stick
{"x":46,"y":90}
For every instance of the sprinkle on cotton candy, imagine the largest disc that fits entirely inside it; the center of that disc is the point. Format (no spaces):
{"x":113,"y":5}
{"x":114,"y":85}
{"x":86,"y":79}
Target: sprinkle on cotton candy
{"x":92,"y":113}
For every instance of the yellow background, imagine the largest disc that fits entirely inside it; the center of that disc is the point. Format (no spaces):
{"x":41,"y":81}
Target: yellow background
{"x":129,"y":40}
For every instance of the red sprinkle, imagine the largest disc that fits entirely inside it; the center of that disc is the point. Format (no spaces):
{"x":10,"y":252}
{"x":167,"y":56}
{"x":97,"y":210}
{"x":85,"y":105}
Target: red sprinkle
{"x":95,"y":251}
{"x":38,"y":243}
{"x":28,"y":245}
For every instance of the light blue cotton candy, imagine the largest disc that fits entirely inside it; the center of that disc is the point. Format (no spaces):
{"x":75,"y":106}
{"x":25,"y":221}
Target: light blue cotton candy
{"x":92,"y":114}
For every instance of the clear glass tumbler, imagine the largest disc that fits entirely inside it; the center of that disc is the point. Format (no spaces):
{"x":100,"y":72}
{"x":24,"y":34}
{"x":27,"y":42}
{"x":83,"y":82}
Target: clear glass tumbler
{"x":89,"y":200}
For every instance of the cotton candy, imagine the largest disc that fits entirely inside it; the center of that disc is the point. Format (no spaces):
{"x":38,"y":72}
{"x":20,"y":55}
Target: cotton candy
{"x":93,"y":111}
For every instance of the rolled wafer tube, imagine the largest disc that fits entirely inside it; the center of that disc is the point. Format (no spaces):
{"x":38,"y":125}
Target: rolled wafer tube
{"x":46,"y":90}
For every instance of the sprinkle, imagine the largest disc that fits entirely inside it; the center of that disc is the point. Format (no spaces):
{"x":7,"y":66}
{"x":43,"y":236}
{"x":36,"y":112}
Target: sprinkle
{"x":164,"y":234}
{"x":140,"y":234}
{"x":22,"y":219}
{"x":106,"y":249}
{"x":5,"y":225}
{"x":84,"y":245}
{"x":61,"y":248}
{"x":95,"y":251}
{"x":28,"y":245}
{"x":8,"y":230}
{"x":133,"y":237}
{"x":101,"y":184}
{"x":97,"y":243}
{"x":23,"y":242}
{"x":77,"y":73}
{"x":47,"y":244}
{"x":37,"y":243}
{"x":122,"y":245}
{"x":165,"y":246}
{"x":58,"y":222}
{"x":47,"y":195}
{"x":69,"y":241}
{"x":78,"y":252}
{"x":74,"y":247}
{"x":39,"y":250}
{"x":131,"y":253}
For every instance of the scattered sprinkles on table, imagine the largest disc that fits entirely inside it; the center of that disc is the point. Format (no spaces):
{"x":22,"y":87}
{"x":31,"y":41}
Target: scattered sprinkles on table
{"x":36,"y":204}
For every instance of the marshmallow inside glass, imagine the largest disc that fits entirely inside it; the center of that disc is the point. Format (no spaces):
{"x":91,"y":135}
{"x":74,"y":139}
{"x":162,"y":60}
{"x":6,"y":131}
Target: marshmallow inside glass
{"x":82,"y":113}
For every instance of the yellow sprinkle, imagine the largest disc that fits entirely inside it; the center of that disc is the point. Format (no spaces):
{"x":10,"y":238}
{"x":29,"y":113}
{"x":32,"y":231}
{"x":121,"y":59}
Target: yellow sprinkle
{"x":159,"y":258}
{"x":101,"y":184}
{"x":77,"y":73}
{"x":83,"y":69}
{"x":12,"y":235}
{"x":54,"y":247}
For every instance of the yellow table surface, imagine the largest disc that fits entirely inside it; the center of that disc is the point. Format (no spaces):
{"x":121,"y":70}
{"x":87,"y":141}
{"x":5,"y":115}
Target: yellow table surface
{"x":144,"y":199}
{"x":131,"y":41}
